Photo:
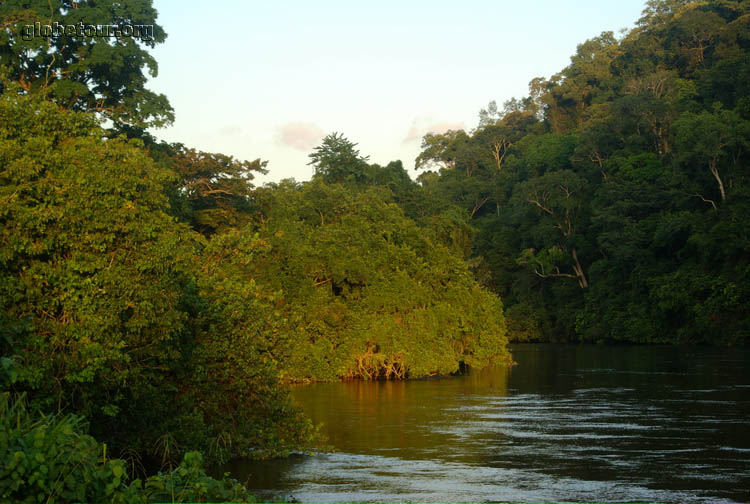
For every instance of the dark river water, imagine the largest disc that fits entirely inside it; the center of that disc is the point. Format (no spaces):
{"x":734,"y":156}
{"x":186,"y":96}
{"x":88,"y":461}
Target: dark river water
{"x":567,"y":423}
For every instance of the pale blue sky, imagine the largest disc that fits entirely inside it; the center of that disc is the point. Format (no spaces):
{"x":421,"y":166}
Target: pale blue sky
{"x":268,"y":79}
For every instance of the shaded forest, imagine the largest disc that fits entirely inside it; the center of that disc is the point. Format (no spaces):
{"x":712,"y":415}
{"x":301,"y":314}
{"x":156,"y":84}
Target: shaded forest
{"x":153,"y":297}
{"x":611,"y":203}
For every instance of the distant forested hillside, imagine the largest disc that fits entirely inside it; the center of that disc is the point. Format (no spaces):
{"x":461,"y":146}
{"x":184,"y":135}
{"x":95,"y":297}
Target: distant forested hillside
{"x":612,"y":202}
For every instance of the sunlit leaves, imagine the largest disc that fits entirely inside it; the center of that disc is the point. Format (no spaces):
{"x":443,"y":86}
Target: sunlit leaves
{"x":363,"y":293}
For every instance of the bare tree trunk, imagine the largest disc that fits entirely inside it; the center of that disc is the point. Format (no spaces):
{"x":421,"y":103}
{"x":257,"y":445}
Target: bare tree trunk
{"x":715,"y":172}
{"x":579,"y":271}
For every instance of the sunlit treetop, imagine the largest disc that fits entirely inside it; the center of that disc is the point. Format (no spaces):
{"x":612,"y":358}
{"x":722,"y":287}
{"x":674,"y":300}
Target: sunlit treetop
{"x":86,"y":55}
{"x":337,"y":160}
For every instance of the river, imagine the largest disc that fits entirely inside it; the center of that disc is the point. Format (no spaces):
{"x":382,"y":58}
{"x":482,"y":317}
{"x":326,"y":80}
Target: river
{"x":567,"y":423}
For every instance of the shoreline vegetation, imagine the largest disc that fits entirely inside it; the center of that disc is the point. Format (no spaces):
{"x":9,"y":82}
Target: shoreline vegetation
{"x":154,"y":301}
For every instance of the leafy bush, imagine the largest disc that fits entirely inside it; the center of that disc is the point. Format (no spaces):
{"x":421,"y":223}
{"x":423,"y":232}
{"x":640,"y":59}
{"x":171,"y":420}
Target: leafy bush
{"x":190,"y":483}
{"x":49,"y":458}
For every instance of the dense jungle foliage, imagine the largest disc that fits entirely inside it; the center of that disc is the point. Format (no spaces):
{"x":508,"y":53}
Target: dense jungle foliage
{"x":109,"y":306}
{"x":152,"y":297}
{"x":611,"y":203}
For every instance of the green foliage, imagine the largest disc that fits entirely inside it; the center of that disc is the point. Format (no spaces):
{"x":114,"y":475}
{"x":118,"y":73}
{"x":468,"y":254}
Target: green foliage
{"x":189,"y":482}
{"x":362,"y":292}
{"x":714,"y":142}
{"x":50,"y":458}
{"x":90,"y":259}
{"x":108,"y":305}
{"x":440,"y":149}
{"x":549,"y":152}
{"x":626,"y":174}
{"x":234,"y":370}
{"x":86,"y":71}
{"x":163,"y":297}
{"x":337,"y":161}
{"x":523,"y":323}
{"x":212,"y":192}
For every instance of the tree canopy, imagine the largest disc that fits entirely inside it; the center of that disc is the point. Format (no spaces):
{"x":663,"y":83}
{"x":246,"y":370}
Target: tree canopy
{"x":337,"y":161}
{"x":365,"y":293}
{"x":90,"y":56}
{"x":606,"y":204}
{"x":108,"y":305}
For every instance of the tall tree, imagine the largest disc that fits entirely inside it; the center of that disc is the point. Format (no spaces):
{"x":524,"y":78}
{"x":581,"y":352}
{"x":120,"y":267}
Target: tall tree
{"x":558,"y":198}
{"x":86,"y":55}
{"x":94,"y":269}
{"x":213,"y":190}
{"x":716,"y":141}
{"x":337,"y":160}
{"x":115,"y":311}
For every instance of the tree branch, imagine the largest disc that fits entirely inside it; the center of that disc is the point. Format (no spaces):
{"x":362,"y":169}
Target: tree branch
{"x":713,"y":203}
{"x":537,"y":203}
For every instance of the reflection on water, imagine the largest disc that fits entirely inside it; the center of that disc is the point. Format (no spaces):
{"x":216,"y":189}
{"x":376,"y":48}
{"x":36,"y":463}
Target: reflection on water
{"x":568,"y":423}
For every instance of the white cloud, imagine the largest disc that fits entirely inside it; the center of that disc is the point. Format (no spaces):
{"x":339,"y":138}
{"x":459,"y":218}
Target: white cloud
{"x":421,"y":126}
{"x":299,"y":135}
{"x":230,"y":130}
